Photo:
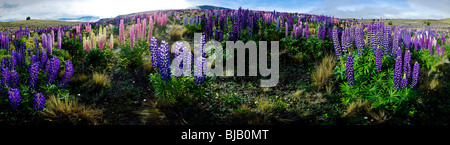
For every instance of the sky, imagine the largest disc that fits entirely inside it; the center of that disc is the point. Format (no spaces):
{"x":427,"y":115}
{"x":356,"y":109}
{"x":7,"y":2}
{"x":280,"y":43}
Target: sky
{"x":11,"y":10}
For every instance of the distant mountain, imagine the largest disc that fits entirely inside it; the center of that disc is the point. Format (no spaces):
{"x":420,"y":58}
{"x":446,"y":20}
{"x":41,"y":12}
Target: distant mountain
{"x":207,"y":7}
{"x":81,"y":19}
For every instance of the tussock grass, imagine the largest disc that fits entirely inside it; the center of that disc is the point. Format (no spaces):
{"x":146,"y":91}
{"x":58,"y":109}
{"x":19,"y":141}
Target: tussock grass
{"x":176,"y":33}
{"x":100,"y":79}
{"x":70,"y":111}
{"x":324,"y":72}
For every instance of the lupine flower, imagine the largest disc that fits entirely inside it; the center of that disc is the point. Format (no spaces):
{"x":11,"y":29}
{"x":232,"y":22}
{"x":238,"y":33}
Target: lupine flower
{"x":67,"y":74}
{"x":286,"y":26}
{"x":164,"y":63}
{"x":111,"y":41}
{"x":442,"y":50}
{"x":349,"y":66}
{"x":430,"y":46}
{"x":34,"y":73}
{"x":43,"y":59}
{"x":44,"y":41}
{"x":404,"y":82}
{"x":200,"y":63}
{"x":14,"y":98}
{"x":359,"y":40}
{"x":39,"y":101}
{"x":406,"y":64}
{"x":121,"y":33}
{"x":379,"y":57}
{"x":5,"y":77}
{"x":337,"y":47}
{"x":13,"y":60}
{"x":14,"y":79}
{"x":398,"y":69}
{"x":154,"y":50}
{"x":150,"y":29}
{"x":58,"y":45}
{"x":415,"y":74}
{"x":52,"y":69}
{"x":36,"y":42}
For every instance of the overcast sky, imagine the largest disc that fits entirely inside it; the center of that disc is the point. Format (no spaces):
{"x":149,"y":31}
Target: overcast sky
{"x":54,"y":9}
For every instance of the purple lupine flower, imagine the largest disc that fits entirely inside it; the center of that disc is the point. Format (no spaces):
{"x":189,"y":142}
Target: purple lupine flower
{"x":442,"y":50}
{"x":34,"y":73}
{"x":14,"y":98}
{"x":50,"y":44}
{"x":286,"y":26}
{"x":43,"y":59}
{"x":437,"y":49}
{"x":406,"y":64}
{"x":404,"y":82}
{"x":386,"y":39}
{"x":5,"y":77}
{"x":67,"y":74}
{"x":200,"y":63}
{"x":164,"y":63}
{"x":337,"y":47}
{"x":430,"y":46}
{"x":398,"y":69}
{"x":58,"y":41}
{"x":13,"y":60}
{"x":359,"y":40}
{"x":39,"y":101}
{"x":36,"y":42}
{"x":34,"y":59}
{"x":415,"y":74}
{"x":154,"y":52}
{"x":80,"y":37}
{"x":379,"y":57}
{"x":44,"y":41}
{"x":14,"y":79}
{"x":52,"y":69}
{"x":278,"y":23}
{"x":349,"y":66}
{"x":344,"y":40}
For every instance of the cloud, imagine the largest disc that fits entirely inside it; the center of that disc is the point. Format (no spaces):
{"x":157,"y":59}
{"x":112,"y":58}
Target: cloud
{"x":55,"y":9}
{"x":412,"y":9}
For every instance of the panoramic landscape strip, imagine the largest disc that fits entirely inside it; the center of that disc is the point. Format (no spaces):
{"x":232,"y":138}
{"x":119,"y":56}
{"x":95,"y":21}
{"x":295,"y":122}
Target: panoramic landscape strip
{"x":220,"y":66}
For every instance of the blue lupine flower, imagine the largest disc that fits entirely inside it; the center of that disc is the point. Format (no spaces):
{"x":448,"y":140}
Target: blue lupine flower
{"x":349,"y":66}
{"x":39,"y":101}
{"x":14,"y":98}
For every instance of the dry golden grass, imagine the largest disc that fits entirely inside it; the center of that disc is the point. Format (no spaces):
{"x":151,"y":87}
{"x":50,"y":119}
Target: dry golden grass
{"x":264,"y":105}
{"x":176,"y":32}
{"x":78,"y":79}
{"x":353,"y":107}
{"x":365,"y":107}
{"x":324,"y":72}
{"x":100,"y":79}
{"x":70,"y":110}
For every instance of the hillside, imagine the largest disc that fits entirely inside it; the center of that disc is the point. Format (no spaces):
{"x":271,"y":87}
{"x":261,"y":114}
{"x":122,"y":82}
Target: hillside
{"x":400,"y":22}
{"x":32,"y":24}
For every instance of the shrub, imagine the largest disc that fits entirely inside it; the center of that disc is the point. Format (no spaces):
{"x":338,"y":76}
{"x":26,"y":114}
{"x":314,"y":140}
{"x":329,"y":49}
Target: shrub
{"x":98,"y":59}
{"x":179,"y":88}
{"x":131,"y":59}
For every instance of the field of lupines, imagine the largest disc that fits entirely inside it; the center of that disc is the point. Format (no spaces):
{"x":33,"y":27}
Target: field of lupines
{"x":118,"y":71}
